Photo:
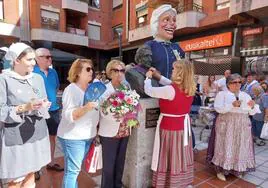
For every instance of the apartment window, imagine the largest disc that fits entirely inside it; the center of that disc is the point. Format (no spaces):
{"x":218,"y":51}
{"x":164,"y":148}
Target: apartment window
{"x":117,"y":3}
{"x":1,"y":10}
{"x":50,"y":20}
{"x":94,"y":3}
{"x":142,"y":12}
{"x":94,"y":32}
{"x":115,"y":34}
{"x":221,"y":4}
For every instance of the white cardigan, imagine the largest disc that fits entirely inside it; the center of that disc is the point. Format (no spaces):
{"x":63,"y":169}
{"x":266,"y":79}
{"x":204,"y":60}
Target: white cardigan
{"x":108,"y":125}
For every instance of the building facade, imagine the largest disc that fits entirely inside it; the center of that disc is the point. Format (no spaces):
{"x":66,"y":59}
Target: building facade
{"x":89,"y":28}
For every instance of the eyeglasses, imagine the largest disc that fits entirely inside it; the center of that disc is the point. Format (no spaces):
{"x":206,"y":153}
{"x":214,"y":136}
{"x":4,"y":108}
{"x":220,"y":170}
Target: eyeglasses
{"x":46,"y":56}
{"x":236,"y":82}
{"x":119,"y":70}
{"x":88,"y":69}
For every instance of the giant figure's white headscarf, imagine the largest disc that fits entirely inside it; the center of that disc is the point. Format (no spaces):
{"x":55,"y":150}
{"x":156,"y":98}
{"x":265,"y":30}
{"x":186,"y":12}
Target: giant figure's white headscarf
{"x":155,"y":17}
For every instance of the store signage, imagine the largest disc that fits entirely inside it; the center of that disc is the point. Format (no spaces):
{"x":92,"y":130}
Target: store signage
{"x":213,"y":41}
{"x":253,"y":31}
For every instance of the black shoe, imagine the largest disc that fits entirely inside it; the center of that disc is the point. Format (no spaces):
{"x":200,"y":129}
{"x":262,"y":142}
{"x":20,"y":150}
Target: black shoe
{"x":37,"y":175}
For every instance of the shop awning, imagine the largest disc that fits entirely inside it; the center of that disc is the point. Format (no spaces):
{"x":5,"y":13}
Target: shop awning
{"x":62,"y":56}
{"x":212,"y":65}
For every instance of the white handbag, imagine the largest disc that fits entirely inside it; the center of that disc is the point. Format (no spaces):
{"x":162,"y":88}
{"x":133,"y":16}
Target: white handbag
{"x":264,"y":131}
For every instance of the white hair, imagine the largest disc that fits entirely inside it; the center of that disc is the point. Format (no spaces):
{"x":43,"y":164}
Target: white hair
{"x":156,"y":14}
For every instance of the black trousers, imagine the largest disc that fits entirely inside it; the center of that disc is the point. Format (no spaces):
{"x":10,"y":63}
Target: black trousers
{"x":113,"y":156}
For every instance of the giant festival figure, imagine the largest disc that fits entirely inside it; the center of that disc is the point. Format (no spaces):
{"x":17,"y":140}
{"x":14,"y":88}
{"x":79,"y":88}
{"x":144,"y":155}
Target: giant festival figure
{"x":160,"y":52}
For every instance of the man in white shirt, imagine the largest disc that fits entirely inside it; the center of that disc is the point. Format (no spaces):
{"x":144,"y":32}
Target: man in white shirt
{"x":251,"y":82}
{"x":221,"y":83}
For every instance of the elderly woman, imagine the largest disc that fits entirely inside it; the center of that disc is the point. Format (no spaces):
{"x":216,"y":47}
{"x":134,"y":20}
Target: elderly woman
{"x":260,"y":98}
{"x":172,"y":162}
{"x":24,"y":139}
{"x":233,"y":152}
{"x":78,"y":125}
{"x":113,"y":134}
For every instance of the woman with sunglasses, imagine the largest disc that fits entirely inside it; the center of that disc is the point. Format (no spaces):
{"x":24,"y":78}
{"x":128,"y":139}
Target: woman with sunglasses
{"x":113,"y":135}
{"x":24,"y":140}
{"x":78,"y":125}
{"x":233,"y":149}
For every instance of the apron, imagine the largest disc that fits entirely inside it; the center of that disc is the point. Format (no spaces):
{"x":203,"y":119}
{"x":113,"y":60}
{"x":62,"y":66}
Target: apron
{"x":186,"y":135}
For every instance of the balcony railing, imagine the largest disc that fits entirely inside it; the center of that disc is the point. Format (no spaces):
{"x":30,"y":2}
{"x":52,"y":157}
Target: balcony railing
{"x":189,"y":7}
{"x":77,"y":31}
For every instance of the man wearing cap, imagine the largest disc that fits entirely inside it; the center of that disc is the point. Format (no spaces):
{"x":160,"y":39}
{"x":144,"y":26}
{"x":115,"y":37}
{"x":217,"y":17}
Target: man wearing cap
{"x":50,"y":76}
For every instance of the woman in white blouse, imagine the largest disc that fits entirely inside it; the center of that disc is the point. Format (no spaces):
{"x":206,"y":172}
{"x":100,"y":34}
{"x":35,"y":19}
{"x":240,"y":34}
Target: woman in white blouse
{"x":233,"y":151}
{"x":78,"y":125}
{"x":114,"y":135}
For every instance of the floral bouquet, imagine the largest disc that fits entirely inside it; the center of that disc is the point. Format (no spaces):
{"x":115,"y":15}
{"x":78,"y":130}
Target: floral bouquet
{"x":124,"y":106}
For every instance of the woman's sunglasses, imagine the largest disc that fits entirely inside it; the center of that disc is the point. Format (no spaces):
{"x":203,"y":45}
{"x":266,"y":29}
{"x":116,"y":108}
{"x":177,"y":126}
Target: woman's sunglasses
{"x":88,"y":69}
{"x":46,"y":56}
{"x":119,"y":70}
{"x":236,"y":82}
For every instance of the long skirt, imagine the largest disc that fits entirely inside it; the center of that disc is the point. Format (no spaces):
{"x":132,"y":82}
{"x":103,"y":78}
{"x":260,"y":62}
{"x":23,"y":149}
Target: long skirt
{"x":233,"y":152}
{"x":176,"y":164}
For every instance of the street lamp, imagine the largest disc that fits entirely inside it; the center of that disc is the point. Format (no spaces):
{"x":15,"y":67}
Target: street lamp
{"x":119,"y":31}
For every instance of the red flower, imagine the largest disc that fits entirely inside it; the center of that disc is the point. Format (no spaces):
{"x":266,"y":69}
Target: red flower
{"x":115,"y":103}
{"x":121,"y":95}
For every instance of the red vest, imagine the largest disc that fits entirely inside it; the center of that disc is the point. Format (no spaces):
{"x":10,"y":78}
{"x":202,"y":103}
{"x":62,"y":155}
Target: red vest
{"x":181,"y":104}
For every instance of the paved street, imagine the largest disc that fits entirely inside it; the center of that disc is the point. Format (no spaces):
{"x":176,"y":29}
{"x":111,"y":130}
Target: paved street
{"x":204,"y":177}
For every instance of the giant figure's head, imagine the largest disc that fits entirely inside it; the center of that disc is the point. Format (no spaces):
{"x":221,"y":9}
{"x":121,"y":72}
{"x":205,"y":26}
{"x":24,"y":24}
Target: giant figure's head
{"x":163,"y":22}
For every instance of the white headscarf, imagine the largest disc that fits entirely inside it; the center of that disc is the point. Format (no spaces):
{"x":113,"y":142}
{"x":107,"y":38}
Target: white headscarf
{"x":156,"y":14}
{"x":15,"y":50}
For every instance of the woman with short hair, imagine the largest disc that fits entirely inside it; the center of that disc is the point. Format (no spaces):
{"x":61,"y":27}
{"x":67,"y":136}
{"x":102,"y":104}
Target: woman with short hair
{"x":78,"y":125}
{"x":233,"y":151}
{"x":114,"y":135}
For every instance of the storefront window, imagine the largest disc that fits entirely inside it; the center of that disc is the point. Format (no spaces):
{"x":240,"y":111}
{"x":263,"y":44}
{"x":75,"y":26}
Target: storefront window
{"x":197,"y":54}
{"x":219,"y":51}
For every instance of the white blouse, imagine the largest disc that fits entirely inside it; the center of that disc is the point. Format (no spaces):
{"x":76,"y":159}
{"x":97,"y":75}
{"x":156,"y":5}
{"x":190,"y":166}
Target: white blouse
{"x":224,"y":99}
{"x":164,"y":92}
{"x":83,"y":128}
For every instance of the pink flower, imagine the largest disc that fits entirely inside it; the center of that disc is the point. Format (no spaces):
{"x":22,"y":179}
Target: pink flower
{"x":115,"y":103}
{"x":121,"y":95}
{"x":129,"y":100}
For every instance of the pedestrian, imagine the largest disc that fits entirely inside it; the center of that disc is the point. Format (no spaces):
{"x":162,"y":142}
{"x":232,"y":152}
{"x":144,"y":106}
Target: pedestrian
{"x":114,"y":135}
{"x":221,"y":83}
{"x":78,"y":125}
{"x":52,"y":84}
{"x":172,"y":162}
{"x":233,"y":151}
{"x":24,"y":106}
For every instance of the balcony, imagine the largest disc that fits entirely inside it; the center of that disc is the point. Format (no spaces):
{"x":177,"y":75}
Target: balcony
{"x":60,"y":37}
{"x":9,"y":30}
{"x":76,"y":5}
{"x":188,"y":16}
{"x":237,"y":7}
